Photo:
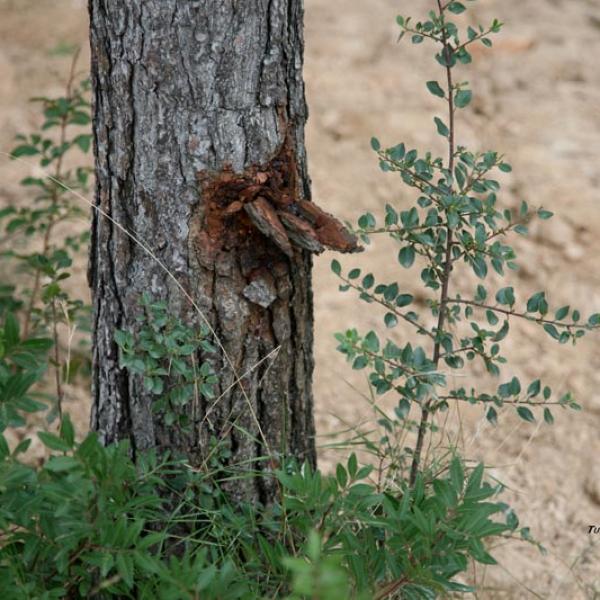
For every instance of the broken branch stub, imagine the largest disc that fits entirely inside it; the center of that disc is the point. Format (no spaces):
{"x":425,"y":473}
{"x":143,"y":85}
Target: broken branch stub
{"x":300,"y":232}
{"x":315,"y":232}
{"x":269,"y":195}
{"x":264,"y":217}
{"x":330,"y":232}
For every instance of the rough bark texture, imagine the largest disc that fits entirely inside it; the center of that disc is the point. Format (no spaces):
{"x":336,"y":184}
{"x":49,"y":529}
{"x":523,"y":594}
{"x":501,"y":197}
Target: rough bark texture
{"x":196,"y":102}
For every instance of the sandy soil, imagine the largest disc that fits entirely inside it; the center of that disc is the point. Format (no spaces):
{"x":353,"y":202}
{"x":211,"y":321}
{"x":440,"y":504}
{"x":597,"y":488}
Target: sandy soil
{"x":537,"y":100}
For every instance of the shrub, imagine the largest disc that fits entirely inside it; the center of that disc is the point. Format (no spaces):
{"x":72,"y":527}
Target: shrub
{"x":33,"y":291}
{"x":91,"y":522}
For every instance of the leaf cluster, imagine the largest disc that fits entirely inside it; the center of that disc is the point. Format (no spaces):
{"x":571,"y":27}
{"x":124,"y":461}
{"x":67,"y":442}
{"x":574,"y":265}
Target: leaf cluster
{"x":91,"y":522}
{"x":166,"y":352}
{"x":23,"y":363}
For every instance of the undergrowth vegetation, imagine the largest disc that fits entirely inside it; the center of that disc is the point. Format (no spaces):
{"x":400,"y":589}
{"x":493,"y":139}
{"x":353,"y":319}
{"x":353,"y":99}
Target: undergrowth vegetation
{"x":92,"y":523}
{"x":36,"y":258}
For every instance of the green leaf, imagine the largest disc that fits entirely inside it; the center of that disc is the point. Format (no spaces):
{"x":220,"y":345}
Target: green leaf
{"x":406,"y":256}
{"x":352,"y":465}
{"x":453,"y":219}
{"x":336,"y":267}
{"x":502,"y":332}
{"x":404,"y":300}
{"x":481,"y":294}
{"x":390,"y":320}
{"x":561,"y":313}
{"x":83,"y":141}
{"x":441,"y":127}
{"x":515,"y":386}
{"x":360,"y":362}
{"x":79,"y":118}
{"x":491,"y":317}
{"x":67,"y":432}
{"x":364,"y":472}
{"x":594,"y":320}
{"x":37,"y":345}
{"x":545,"y":214}
{"x":4,"y":448}
{"x":24,"y":150}
{"x":506,"y":296}
{"x":390,"y":292}
{"x":457,"y":475}
{"x":22,"y":446}
{"x":371,"y":342}
{"x":124,"y":563}
{"x":368,"y":281}
{"x":463,"y":98}
{"x":53,"y":442}
{"x":366,"y":221}
{"x":341,"y":475}
{"x":410,"y":157}
{"x":552,"y":331}
{"x":57,"y":464}
{"x":11,"y":330}
{"x":525,"y":414}
{"x":521,"y":230}
{"x":548,"y":416}
{"x":147,"y":563}
{"x":457,"y":8}
{"x":435,"y":88}
{"x":534,"y":303}
{"x":397,"y":152}
{"x":375,"y":144}
{"x":534,"y":388}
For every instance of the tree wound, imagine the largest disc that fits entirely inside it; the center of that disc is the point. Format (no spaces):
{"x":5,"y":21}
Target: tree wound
{"x":272,"y":206}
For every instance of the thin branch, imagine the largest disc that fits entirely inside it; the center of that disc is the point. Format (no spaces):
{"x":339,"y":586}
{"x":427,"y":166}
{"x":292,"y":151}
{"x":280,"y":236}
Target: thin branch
{"x":520,"y":315}
{"x":57,"y":362}
{"x":390,"y":588}
{"x":515,"y":402}
{"x":459,"y":351}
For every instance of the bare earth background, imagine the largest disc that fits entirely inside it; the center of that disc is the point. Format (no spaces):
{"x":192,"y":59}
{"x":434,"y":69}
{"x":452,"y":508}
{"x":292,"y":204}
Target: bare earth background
{"x":537,"y":99}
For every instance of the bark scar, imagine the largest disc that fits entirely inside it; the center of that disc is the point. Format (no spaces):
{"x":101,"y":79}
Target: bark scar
{"x":266,"y":198}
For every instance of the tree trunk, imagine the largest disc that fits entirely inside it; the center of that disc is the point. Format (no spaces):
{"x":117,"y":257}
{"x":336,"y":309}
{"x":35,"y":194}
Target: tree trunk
{"x":199,"y":117}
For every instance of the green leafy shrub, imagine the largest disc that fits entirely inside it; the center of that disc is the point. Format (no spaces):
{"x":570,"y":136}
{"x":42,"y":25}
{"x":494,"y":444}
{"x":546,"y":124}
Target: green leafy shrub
{"x":91,"y":522}
{"x":456,"y":222}
{"x":36,"y":257}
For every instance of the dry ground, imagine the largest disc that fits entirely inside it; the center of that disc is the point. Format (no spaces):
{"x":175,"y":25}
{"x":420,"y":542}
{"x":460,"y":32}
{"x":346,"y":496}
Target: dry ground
{"x":538,"y":101}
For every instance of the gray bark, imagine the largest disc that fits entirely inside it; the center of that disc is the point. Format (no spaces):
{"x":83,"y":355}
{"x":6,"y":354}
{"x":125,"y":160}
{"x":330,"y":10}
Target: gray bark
{"x":195,"y":102}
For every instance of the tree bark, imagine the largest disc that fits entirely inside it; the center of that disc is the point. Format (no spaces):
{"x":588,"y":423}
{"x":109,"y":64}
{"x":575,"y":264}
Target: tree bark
{"x":199,"y":112}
